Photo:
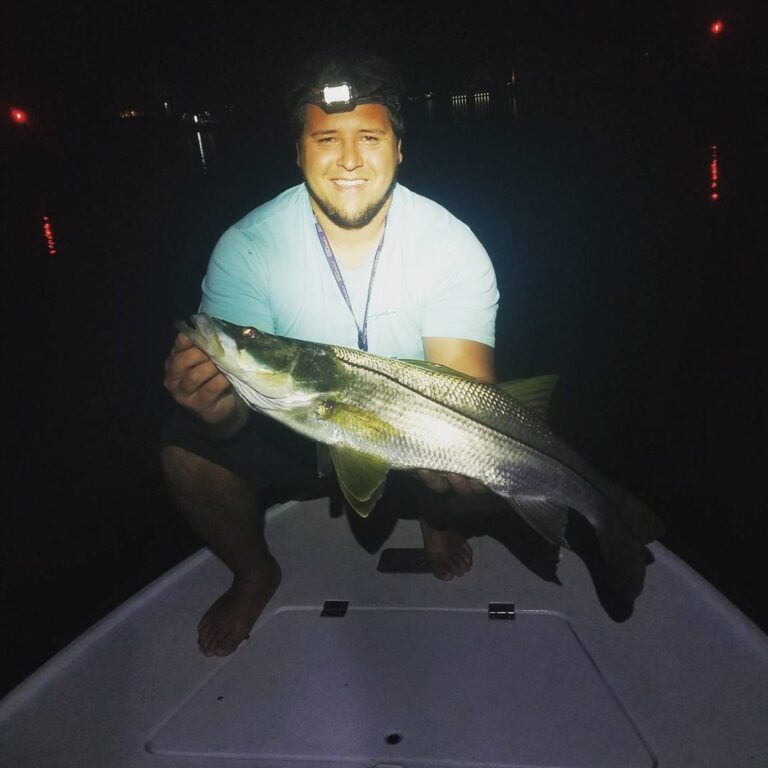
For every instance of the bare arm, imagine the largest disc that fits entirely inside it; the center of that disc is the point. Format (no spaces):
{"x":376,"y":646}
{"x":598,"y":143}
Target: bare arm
{"x":476,"y":360}
{"x":196,"y":384}
{"x":470,"y":357}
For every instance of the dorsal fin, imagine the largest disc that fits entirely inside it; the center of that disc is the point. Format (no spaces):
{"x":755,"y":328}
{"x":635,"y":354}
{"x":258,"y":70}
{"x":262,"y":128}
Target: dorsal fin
{"x":535,"y":393}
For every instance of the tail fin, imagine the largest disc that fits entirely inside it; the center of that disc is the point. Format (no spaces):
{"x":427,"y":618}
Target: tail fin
{"x":624,"y":558}
{"x":638,"y":518}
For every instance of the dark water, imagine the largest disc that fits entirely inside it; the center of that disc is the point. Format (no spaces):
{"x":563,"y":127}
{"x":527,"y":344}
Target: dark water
{"x":616,"y":269}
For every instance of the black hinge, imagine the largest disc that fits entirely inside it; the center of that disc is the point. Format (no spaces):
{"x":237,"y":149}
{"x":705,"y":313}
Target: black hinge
{"x":335,"y":608}
{"x":501,"y":611}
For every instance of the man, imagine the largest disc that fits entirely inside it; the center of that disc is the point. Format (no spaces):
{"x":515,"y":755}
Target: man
{"x":349,"y":257}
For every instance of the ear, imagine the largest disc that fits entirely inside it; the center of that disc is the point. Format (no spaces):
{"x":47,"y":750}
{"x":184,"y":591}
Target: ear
{"x":399,"y":151}
{"x":298,"y":154}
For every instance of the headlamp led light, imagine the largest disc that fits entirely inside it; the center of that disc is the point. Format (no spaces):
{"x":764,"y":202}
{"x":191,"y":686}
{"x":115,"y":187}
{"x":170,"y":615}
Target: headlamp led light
{"x":342,"y":97}
{"x":337,"y":96}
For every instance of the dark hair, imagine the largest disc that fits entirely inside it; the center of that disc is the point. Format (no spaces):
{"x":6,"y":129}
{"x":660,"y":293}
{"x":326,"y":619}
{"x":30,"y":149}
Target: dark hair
{"x":366,"y":72}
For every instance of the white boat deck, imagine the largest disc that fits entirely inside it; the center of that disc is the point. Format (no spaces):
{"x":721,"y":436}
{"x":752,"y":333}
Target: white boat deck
{"x":414,"y":674}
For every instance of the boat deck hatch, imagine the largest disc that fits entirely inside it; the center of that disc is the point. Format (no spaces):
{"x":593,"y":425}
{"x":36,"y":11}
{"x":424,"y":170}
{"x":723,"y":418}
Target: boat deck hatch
{"x":398,"y":686}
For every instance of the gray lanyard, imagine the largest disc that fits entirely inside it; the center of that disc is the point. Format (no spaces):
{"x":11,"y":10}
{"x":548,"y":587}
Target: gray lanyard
{"x":362,"y":333}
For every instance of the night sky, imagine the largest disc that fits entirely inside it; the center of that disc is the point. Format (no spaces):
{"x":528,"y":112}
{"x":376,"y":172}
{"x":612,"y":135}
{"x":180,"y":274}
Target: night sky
{"x":80,"y":59}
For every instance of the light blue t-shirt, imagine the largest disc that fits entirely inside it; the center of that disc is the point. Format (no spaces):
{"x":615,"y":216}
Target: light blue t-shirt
{"x":433,"y":278}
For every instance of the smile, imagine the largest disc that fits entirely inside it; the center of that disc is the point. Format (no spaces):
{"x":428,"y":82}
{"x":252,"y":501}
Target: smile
{"x":349,"y":183}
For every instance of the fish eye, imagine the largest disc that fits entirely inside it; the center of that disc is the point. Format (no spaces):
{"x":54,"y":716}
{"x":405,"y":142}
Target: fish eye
{"x":248,"y":333}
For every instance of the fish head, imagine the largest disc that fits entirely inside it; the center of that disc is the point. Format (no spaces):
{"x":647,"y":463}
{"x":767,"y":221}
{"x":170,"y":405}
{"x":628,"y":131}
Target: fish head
{"x":270,"y":372}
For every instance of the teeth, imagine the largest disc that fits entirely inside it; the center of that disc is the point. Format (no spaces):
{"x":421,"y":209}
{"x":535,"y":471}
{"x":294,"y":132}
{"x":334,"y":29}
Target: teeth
{"x":349,"y":182}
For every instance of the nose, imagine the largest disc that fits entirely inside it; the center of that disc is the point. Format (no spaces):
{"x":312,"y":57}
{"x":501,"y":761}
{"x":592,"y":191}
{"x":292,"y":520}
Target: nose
{"x":350,"y":156}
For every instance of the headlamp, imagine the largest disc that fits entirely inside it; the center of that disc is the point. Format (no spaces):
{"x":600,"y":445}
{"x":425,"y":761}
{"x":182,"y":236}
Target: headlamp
{"x":336,"y":96}
{"x":343,"y":97}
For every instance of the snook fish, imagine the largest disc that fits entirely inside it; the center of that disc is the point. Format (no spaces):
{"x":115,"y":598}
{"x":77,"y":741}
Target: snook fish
{"x":376,"y":413}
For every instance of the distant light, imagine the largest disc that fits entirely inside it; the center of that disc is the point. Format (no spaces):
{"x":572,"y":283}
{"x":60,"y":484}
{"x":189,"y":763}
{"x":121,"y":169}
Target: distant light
{"x":717,"y":27}
{"x":19,"y":116}
{"x":714,"y":173}
{"x":203,"y":162}
{"x":48,"y":235}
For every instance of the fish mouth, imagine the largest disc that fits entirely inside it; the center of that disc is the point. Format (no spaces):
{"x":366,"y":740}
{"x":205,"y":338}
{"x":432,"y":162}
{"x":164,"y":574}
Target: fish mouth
{"x":204,"y":334}
{"x":258,"y":382}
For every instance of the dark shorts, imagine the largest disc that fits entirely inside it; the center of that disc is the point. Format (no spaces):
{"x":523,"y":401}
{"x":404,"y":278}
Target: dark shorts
{"x":264,"y":452}
{"x":282,"y":463}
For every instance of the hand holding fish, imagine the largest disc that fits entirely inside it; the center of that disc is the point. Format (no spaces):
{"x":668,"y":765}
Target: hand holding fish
{"x":442,"y":482}
{"x":197,"y":385}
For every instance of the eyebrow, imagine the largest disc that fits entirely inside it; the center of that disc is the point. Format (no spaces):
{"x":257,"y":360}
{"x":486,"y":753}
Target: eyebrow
{"x":334,"y":130}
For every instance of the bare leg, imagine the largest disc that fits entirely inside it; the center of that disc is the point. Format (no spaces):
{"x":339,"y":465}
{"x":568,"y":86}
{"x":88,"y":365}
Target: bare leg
{"x":226,"y":513}
{"x":446,"y":550}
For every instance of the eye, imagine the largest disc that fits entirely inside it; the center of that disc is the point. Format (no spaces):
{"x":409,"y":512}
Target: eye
{"x":248,"y":333}
{"x":370,"y":139}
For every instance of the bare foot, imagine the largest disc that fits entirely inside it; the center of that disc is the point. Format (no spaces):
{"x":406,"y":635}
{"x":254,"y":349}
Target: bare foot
{"x":229,"y":620}
{"x":447,"y":551}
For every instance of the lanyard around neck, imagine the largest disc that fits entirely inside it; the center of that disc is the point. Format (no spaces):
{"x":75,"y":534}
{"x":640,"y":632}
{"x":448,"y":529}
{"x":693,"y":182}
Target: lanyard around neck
{"x":362,"y":332}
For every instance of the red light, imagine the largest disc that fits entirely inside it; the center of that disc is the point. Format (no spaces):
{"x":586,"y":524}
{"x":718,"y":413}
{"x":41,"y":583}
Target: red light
{"x":717,"y":27}
{"x":714,"y":173}
{"x":48,"y":235}
{"x":19,"y":116}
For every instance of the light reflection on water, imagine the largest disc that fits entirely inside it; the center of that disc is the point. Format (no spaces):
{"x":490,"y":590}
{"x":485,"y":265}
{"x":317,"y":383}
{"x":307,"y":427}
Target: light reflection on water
{"x":202,"y":149}
{"x":714,"y":174}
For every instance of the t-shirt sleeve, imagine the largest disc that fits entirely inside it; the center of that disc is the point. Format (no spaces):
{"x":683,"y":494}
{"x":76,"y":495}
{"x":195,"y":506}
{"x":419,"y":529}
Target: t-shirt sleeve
{"x":464,"y":299}
{"x":235,"y":286}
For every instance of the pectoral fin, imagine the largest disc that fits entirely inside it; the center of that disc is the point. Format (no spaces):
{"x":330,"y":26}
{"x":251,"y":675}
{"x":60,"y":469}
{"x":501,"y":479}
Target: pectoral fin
{"x":543,"y":516}
{"x":361,"y":476}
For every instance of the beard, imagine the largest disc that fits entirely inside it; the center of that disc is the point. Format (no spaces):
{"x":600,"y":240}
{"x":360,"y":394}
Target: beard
{"x":359,"y":220}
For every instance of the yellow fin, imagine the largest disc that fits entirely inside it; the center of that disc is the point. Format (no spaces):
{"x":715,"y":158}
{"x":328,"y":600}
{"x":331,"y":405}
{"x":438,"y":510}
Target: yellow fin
{"x":535,"y":393}
{"x":361,"y":476}
{"x":352,"y":418}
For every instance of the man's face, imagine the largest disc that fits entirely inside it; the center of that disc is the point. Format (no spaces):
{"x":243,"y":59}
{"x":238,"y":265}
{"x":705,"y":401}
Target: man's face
{"x":350,"y":161}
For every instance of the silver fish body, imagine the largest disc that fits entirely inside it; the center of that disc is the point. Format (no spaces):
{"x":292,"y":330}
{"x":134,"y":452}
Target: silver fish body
{"x":377,"y":413}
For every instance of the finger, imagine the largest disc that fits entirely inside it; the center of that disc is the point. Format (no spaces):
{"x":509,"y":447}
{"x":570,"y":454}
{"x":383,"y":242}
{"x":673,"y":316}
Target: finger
{"x":434,"y":480}
{"x":459,"y":484}
{"x":196,"y":379}
{"x":182,"y":342}
{"x":214,"y":388}
{"x":184,"y":388}
{"x":465,"y":486}
{"x":477,"y":486}
{"x":179,"y":364}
